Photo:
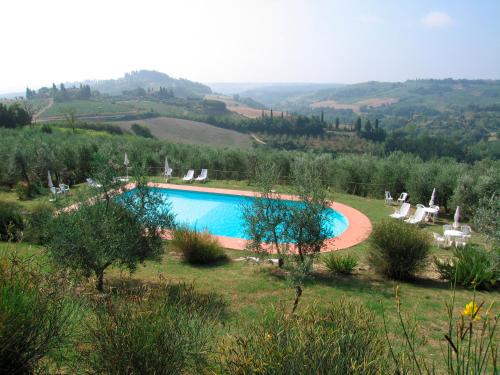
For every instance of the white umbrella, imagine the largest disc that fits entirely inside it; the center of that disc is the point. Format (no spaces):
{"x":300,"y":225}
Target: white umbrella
{"x":125,"y":163}
{"x":456,"y":218}
{"x":49,"y":180}
{"x":167,"y":168}
{"x":431,"y":202}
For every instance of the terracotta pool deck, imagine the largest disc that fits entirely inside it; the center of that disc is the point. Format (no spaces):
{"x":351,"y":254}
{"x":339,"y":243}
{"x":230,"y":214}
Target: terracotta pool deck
{"x":358,"y":230}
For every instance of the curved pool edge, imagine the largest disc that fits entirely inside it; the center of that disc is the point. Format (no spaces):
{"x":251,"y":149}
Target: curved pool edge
{"x":358,"y":230}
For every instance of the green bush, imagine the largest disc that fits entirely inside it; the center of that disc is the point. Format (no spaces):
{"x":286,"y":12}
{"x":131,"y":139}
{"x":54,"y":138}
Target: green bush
{"x":398,"y":250}
{"x":156,"y":330}
{"x":471,"y":266}
{"x":38,"y":223}
{"x":11,"y":222}
{"x":25,"y":191}
{"x":344,"y":339}
{"x":343,"y":264}
{"x":198,"y":247}
{"x":35,"y":318}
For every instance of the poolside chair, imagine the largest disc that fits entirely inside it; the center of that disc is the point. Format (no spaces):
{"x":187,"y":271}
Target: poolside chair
{"x":402,"y":212}
{"x":418,"y":217}
{"x":189,"y":176}
{"x":168,"y":173}
{"x":402,"y":198}
{"x":203,"y":176}
{"x":64,"y":188}
{"x":388,"y":198}
{"x":461,"y":241}
{"x":93,"y":184}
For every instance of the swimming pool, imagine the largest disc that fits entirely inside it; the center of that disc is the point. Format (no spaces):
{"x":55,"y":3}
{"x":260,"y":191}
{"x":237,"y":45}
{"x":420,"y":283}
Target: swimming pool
{"x":221,"y":214}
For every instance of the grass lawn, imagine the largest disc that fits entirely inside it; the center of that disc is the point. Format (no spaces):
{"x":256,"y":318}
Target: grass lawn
{"x":252,"y":289}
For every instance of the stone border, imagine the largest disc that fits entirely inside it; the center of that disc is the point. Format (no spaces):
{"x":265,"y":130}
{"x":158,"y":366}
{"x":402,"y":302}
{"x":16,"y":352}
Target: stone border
{"x":357,"y":231}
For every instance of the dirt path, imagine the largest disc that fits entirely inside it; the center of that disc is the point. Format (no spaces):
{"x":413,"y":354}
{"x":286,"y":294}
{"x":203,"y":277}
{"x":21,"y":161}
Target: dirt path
{"x":37,"y":115}
{"x":258,"y":140}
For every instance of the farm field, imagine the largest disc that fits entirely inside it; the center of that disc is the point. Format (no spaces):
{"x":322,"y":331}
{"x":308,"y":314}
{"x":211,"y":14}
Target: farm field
{"x":355,"y":107}
{"x":239,"y":108}
{"x":88,"y":107}
{"x":187,"y":131}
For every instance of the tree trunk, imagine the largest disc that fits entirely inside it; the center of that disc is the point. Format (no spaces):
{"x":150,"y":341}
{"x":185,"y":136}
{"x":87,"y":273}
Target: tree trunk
{"x":298,"y":293}
{"x":100,"y":281}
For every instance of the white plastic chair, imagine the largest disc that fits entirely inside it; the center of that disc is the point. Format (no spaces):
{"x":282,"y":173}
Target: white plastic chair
{"x":203,"y":175}
{"x":388,"y":197}
{"x":64,"y":188}
{"x":466,"y":230}
{"x":402,"y":198}
{"x":441,"y":241}
{"x":189,"y":176}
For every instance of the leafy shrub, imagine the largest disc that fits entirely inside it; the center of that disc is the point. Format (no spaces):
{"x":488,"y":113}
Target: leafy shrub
{"x":343,"y":264}
{"x":38,"y":223}
{"x":198,"y":247}
{"x":11,"y":222}
{"x":156,"y":330}
{"x":35,"y":319}
{"x":25,"y":191}
{"x":344,"y":339}
{"x":46,"y":129}
{"x":472,"y":266}
{"x":398,"y":250}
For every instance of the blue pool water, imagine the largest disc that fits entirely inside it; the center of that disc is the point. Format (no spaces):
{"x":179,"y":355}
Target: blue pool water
{"x":221,"y":214}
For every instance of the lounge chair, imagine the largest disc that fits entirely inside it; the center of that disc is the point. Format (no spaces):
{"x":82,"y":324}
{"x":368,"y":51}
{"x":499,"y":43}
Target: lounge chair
{"x":64,"y":188}
{"x":93,"y":184}
{"x":189,"y":175}
{"x":388,"y":198}
{"x":402,"y":212}
{"x":418,"y":217}
{"x":402,"y":198}
{"x":203,"y":176}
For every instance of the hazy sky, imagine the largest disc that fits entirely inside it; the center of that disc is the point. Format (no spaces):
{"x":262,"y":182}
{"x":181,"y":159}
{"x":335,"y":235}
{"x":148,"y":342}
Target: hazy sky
{"x":248,"y":40}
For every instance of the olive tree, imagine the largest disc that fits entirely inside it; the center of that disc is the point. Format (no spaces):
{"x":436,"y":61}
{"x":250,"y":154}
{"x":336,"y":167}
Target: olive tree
{"x":296,"y":230}
{"x":107,"y":230}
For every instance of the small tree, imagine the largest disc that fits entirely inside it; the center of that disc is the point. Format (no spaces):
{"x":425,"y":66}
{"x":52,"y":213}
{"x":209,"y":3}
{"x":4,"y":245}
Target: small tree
{"x":296,"y":230}
{"x":107,"y":230}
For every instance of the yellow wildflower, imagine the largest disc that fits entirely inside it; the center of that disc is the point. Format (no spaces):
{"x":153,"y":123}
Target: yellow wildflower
{"x":269,"y":337}
{"x":471,"y":309}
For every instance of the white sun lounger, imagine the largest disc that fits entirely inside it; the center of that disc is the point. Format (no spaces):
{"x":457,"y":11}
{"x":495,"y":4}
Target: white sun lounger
{"x":189,"y":175}
{"x":418,"y":217}
{"x":203,"y":175}
{"x":402,"y":212}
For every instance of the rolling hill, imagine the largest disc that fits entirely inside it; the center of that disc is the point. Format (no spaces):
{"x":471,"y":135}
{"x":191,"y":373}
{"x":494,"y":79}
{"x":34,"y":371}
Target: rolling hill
{"x":147,"y":80}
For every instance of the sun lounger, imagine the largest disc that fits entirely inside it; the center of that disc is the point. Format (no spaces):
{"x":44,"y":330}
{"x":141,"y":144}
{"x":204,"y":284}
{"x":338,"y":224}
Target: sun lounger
{"x":203,"y":175}
{"x":189,"y":175}
{"x":418,"y":217}
{"x":402,"y":212}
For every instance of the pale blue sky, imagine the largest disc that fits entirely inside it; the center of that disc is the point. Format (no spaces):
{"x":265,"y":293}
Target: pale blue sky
{"x":249,"y":40}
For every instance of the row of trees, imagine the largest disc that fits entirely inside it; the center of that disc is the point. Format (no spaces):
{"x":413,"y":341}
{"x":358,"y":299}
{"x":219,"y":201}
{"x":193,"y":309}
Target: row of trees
{"x":60,"y":94}
{"x":14,"y":115}
{"x":28,"y":153}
